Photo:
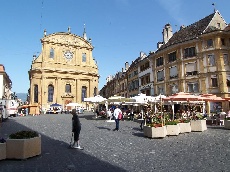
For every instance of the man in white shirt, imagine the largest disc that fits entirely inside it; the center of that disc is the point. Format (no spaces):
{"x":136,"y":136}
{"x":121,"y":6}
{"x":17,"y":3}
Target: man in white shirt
{"x":116,"y":113}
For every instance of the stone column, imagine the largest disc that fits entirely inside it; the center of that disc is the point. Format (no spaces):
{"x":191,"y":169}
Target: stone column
{"x":89,"y":94}
{"x":56,"y":90}
{"x":31,"y":91}
{"x":58,"y":95}
{"x":78,"y":91}
{"x":78,"y":56}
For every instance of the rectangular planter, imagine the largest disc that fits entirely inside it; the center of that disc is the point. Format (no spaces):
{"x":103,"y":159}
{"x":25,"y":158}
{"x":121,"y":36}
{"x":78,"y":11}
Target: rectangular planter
{"x":2,"y":151}
{"x":23,"y":148}
{"x":173,"y":130}
{"x":198,"y":125}
{"x":152,"y":132}
{"x":227,"y":124}
{"x":185,"y":127}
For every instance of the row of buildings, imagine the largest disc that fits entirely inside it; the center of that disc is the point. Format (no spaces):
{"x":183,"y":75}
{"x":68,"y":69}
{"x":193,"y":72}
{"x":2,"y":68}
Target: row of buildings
{"x":194,"y":59}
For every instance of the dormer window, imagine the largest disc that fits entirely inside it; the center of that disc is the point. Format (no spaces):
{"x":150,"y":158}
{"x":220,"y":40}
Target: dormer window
{"x":218,"y":25}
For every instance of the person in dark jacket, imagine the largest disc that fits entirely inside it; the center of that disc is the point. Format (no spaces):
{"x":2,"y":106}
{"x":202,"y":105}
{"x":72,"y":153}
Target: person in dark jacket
{"x":76,"y":128}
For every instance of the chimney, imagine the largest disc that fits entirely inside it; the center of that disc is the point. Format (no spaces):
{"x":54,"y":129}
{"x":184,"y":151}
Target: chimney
{"x":126,"y":66}
{"x":167,"y":33}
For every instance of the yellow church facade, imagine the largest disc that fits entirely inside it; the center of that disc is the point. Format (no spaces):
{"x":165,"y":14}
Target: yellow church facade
{"x":64,"y":72}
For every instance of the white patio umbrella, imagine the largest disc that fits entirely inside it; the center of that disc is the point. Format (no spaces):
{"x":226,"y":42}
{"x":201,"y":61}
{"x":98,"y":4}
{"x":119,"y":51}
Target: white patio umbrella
{"x":142,"y":98}
{"x":119,"y":99}
{"x":73,"y":104}
{"x":95,"y":100}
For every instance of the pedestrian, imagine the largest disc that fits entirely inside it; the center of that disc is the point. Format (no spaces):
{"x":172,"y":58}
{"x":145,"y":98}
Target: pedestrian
{"x":116,"y":114}
{"x":109,"y":114}
{"x":131,"y":115}
{"x":228,"y":114}
{"x":76,"y":128}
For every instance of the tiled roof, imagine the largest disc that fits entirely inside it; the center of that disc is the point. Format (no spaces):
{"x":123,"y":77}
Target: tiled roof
{"x":134,"y":63}
{"x":190,"y":32}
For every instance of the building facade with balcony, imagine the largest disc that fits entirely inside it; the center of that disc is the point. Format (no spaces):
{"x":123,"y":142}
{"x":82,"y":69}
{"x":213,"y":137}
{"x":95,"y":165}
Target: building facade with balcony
{"x":133,"y":79}
{"x":194,"y":59}
{"x":145,"y":75}
{"x":65,"y":70}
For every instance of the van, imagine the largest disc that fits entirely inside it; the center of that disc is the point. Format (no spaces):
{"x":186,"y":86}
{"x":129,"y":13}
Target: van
{"x":8,"y":108}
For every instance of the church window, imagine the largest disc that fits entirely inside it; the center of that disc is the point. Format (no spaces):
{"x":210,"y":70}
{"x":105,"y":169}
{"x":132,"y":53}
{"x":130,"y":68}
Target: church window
{"x":83,"y":93}
{"x":95,"y":91}
{"x":35,"y":93}
{"x":83,"y":57}
{"x":50,"y":93}
{"x":68,"y":88}
{"x":51,"y":53}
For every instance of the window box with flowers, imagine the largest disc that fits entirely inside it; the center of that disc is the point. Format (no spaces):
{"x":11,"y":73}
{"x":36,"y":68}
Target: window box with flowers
{"x":2,"y":149}
{"x":185,"y":125}
{"x":173,"y":128}
{"x":198,"y":123}
{"x":155,"y":128}
{"x":23,"y":145}
{"x":227,"y":123}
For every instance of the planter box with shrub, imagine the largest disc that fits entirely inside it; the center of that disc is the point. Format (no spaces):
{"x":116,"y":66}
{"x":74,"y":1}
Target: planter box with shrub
{"x":23,"y":145}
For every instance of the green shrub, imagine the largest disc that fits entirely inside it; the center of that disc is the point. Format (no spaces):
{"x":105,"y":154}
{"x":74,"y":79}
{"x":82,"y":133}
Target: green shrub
{"x":24,"y":135}
{"x":171,"y":122}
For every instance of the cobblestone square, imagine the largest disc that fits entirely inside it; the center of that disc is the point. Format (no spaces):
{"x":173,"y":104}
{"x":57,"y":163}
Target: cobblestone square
{"x":123,"y":150}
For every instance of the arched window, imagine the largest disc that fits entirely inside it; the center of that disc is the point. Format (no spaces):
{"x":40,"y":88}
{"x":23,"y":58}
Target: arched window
{"x":52,"y":53}
{"x":50,"y":93}
{"x":68,"y":88}
{"x":35,"y":93}
{"x":95,"y":91}
{"x":83,"y":93}
{"x":83,"y":57}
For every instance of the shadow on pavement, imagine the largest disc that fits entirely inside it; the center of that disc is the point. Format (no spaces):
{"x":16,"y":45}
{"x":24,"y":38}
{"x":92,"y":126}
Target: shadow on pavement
{"x":55,"y":156}
{"x":104,"y":128}
{"x":216,"y":127}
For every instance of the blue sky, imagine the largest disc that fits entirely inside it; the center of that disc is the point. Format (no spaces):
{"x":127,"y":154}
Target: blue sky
{"x":119,"y":29}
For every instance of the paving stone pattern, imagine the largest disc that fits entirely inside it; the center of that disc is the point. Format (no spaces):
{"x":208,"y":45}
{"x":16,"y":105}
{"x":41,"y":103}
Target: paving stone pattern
{"x":124,"y":150}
